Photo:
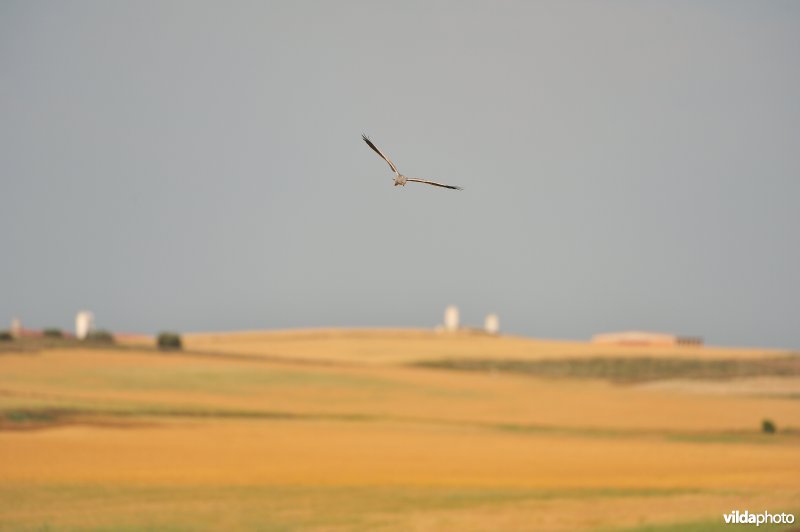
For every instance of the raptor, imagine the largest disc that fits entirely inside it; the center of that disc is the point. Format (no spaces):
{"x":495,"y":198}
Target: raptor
{"x":400,"y":179}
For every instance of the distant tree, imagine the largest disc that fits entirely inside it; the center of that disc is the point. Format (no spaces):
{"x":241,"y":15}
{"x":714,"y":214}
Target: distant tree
{"x":768,"y":426}
{"x":6,"y":336}
{"x":169,"y":341}
{"x":53,"y":332}
{"x":100,"y":336}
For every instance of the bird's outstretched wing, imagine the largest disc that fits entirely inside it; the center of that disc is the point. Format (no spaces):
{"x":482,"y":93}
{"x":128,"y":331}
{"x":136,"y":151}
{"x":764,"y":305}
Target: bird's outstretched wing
{"x":379,"y":152}
{"x":434,"y":183}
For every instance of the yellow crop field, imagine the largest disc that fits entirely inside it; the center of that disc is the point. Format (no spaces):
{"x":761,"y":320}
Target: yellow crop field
{"x":379,"y":346}
{"x":345,"y":430}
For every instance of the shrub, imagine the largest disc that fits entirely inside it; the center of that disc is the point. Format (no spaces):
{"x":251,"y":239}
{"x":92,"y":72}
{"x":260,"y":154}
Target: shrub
{"x":768,"y":426}
{"x":101,"y":336}
{"x":5,"y":336}
{"x":52,"y":332}
{"x":169,"y":340}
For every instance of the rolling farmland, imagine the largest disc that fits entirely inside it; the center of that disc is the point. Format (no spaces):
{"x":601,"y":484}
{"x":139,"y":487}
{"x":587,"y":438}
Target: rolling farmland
{"x":394,"y":430}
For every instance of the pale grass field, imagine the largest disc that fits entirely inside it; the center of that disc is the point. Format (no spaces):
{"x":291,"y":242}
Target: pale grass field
{"x":130,"y":440}
{"x":365,"y":346}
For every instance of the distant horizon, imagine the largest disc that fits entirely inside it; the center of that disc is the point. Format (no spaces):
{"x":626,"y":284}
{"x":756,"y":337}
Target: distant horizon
{"x":432,"y":329}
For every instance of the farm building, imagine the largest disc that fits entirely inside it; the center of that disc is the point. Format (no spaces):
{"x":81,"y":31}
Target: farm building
{"x":491,"y":324}
{"x":84,"y":324}
{"x":645,"y":338}
{"x":451,"y":322}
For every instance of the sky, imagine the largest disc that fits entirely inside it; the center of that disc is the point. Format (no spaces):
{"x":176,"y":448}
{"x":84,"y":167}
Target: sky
{"x":198,"y":166}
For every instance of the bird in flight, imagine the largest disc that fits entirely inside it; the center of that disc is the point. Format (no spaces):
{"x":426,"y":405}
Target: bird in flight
{"x":400,"y":179}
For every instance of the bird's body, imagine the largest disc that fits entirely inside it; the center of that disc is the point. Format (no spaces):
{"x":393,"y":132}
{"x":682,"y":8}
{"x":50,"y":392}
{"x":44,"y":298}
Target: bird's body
{"x":400,"y":179}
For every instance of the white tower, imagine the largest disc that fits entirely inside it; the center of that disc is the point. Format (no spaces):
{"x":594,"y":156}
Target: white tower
{"x":451,"y":318}
{"x":492,"y":324}
{"x":84,"y":323}
{"x":16,"y":328}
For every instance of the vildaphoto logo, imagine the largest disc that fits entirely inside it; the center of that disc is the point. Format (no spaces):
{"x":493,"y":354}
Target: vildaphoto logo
{"x":765,"y":518}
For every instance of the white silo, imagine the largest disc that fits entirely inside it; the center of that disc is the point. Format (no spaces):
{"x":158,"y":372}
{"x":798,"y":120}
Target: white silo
{"x":84,"y":324}
{"x":16,"y":328}
{"x":451,"y":318}
{"x":492,"y":324}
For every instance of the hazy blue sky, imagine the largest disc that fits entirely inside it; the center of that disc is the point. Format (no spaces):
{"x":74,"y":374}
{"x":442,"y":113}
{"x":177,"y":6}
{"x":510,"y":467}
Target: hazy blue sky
{"x":199,"y":166}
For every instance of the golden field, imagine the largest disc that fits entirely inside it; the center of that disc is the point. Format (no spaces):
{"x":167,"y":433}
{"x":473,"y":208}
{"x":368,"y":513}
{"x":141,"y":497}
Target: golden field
{"x":345,"y":430}
{"x":394,"y":346}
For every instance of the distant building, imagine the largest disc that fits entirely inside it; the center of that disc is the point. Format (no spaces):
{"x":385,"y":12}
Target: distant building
{"x":451,"y":318}
{"x":492,"y":324}
{"x":84,"y":324}
{"x":16,"y":328}
{"x":645,"y":338}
